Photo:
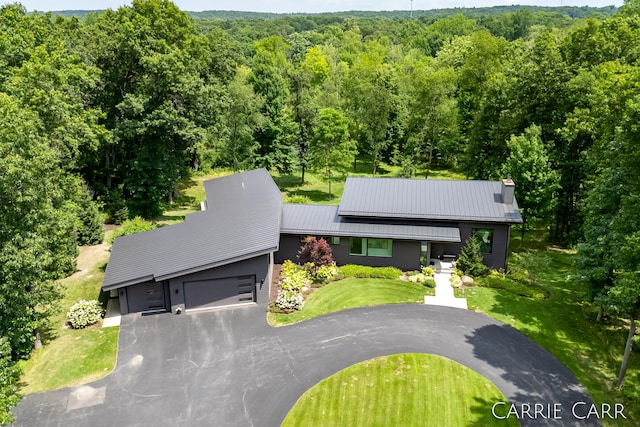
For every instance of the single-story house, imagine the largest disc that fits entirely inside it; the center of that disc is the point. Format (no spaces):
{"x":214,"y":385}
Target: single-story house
{"x":223,"y":255}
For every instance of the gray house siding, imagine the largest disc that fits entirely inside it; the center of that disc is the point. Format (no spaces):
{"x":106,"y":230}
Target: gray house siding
{"x":405,"y":253}
{"x":500,"y":245}
{"x":252,"y":273}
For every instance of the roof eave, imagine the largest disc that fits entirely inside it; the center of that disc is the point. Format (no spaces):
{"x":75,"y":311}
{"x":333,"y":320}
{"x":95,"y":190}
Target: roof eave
{"x":366,"y":234}
{"x":208,"y":266}
{"x":352,"y":214}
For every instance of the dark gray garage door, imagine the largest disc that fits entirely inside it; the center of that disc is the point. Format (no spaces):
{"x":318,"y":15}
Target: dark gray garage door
{"x":219,"y":292}
{"x":146,"y":297}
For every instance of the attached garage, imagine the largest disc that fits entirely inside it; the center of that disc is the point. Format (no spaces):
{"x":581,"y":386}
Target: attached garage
{"x":145,"y":297}
{"x":219,"y":257}
{"x":228,"y":291}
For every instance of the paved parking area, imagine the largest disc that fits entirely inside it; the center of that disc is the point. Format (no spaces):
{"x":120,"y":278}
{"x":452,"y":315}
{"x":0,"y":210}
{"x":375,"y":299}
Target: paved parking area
{"x":229,"y":368}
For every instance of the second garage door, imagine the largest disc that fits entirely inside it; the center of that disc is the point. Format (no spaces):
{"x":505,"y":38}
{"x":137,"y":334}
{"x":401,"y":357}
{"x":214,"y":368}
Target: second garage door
{"x":219,"y":292}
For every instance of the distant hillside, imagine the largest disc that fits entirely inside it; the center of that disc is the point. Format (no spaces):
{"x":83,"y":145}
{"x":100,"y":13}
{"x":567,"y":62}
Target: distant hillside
{"x":570,"y":11}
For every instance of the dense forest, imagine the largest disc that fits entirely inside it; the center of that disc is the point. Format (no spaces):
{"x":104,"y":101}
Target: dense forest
{"x":109,"y":111}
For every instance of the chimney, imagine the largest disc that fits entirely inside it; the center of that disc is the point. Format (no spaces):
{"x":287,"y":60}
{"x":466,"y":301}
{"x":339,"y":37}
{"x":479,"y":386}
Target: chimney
{"x":508,"y":188}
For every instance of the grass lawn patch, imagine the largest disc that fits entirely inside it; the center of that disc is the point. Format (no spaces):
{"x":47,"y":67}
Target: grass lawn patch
{"x":75,"y":357}
{"x":351,"y":293}
{"x":564,"y":324}
{"x":72,"y":357}
{"x":400,"y":390}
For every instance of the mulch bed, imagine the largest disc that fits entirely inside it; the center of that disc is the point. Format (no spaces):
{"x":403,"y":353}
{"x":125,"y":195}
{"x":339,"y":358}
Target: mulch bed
{"x":275,"y":285}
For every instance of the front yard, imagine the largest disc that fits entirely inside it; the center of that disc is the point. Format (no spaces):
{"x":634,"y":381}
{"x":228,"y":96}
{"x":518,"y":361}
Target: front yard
{"x":564,"y":324}
{"x":351,"y":293}
{"x":70,"y":356}
{"x":400,"y":390}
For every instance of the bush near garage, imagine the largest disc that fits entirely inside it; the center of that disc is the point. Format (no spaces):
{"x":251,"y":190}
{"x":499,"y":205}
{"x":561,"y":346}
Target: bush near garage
{"x":289,"y":301}
{"x":85,"y":313}
{"x":293,"y":277}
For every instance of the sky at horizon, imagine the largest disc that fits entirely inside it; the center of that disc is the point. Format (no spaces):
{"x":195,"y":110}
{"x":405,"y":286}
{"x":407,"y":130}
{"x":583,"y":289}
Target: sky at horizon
{"x":308,"y":6}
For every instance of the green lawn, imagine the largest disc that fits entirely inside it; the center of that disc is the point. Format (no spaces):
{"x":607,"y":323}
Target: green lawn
{"x":564,"y":325}
{"x":314,"y":190}
{"x":351,"y":293}
{"x":400,"y":390}
{"x":71,"y":357}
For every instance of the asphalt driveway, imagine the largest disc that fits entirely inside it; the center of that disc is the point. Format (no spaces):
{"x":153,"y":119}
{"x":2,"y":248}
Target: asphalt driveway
{"x":229,"y":368}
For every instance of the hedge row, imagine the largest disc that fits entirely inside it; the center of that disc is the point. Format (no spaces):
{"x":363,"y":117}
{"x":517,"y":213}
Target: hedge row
{"x":363,"y":271}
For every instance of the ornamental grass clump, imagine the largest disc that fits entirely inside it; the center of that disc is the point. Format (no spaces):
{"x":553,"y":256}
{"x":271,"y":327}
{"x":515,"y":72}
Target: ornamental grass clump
{"x":85,"y":313}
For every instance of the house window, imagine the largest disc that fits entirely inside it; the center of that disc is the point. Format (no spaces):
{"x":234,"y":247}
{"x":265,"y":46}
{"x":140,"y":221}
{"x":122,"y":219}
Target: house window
{"x":485,"y":239}
{"x":335,"y":240}
{"x":370,"y":247}
{"x":357,"y":246}
{"x":379,"y":247}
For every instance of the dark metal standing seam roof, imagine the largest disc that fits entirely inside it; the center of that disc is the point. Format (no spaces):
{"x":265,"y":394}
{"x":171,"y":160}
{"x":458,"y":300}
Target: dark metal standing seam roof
{"x":427,"y":199}
{"x":242,"y":221}
{"x":324,"y":220}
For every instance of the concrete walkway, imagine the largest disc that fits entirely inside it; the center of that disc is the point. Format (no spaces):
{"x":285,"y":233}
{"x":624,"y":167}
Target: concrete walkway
{"x":444,"y":292}
{"x":112,"y":316}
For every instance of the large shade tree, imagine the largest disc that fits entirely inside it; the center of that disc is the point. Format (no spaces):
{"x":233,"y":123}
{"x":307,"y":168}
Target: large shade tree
{"x":331,"y":148}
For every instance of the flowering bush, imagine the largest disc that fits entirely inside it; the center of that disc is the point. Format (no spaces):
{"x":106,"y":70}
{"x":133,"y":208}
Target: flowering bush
{"x":85,"y":313}
{"x":289,"y":300}
{"x":293,"y":277}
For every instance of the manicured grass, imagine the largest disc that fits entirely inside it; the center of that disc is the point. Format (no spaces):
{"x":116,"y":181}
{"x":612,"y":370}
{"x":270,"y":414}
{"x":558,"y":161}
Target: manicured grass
{"x":351,"y":293}
{"x":564,"y":324}
{"x":400,"y":390}
{"x":75,"y":357}
{"x":71,"y":357}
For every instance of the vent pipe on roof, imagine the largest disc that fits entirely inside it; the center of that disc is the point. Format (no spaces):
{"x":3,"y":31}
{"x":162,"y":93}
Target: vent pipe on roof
{"x":508,"y":190}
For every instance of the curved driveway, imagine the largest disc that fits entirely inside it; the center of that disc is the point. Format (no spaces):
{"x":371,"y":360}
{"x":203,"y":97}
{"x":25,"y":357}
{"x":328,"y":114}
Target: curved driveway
{"x":229,"y":368}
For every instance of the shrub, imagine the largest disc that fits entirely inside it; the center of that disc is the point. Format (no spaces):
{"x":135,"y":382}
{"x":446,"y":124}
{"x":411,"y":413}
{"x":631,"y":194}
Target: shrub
{"x":317,"y":252}
{"x":325,"y":273}
{"x":297,"y":198}
{"x":90,"y":230}
{"x":470,"y":261}
{"x":289,"y":300}
{"x":293,"y":277}
{"x":115,"y":206}
{"x":417,"y":278}
{"x":456,"y":281}
{"x":429,"y":282}
{"x":85,"y":313}
{"x":364,"y":271}
{"x":428,"y":271}
{"x":132,"y":226}
{"x":498,"y":280}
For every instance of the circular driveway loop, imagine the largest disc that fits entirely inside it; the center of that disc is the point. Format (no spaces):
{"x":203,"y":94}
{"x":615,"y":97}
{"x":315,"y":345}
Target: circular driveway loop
{"x":229,"y":368}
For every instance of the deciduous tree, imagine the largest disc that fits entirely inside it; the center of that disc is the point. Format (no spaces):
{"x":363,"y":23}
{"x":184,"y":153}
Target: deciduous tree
{"x":331,"y":148}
